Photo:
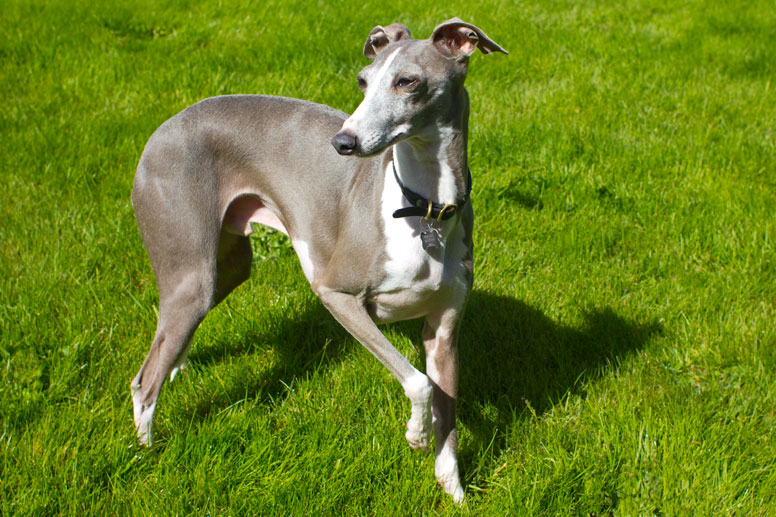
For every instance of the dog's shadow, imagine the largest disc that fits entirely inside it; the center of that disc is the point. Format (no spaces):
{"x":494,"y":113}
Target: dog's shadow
{"x":297,"y":343}
{"x":516,"y":362}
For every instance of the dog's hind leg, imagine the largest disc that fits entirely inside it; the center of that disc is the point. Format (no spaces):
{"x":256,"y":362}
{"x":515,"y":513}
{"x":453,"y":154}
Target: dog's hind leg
{"x":186,"y":293}
{"x":180,"y":311}
{"x":196,"y":263}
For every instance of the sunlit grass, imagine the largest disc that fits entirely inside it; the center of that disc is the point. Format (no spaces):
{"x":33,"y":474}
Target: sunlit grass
{"x":618,"y":353}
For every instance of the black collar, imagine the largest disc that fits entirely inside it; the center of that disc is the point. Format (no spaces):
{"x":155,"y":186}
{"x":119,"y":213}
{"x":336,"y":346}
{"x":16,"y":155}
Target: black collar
{"x":426,"y":208}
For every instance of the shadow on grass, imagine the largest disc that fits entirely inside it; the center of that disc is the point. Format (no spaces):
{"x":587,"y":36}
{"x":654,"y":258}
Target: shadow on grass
{"x":514,"y":194}
{"x":299,"y":343}
{"x":512,"y":356}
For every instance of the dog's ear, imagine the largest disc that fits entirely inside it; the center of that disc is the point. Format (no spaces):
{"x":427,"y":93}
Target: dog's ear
{"x":380,"y":37}
{"x":458,"y":39}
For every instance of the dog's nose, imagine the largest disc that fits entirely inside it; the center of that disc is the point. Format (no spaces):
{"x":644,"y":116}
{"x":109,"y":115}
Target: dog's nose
{"x":344,"y":142}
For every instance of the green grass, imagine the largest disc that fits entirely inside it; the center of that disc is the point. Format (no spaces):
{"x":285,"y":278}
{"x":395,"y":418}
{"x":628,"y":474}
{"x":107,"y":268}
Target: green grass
{"x":619,"y":351}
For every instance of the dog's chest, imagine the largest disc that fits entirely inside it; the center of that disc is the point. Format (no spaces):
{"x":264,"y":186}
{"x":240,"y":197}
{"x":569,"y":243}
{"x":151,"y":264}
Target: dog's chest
{"x":416,"y":280}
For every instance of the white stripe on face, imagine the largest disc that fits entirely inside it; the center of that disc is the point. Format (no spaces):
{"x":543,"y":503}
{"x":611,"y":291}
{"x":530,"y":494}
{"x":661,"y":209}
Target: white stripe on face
{"x":371,"y":92}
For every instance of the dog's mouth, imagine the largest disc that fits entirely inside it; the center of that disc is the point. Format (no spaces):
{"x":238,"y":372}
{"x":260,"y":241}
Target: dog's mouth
{"x":347,"y":144}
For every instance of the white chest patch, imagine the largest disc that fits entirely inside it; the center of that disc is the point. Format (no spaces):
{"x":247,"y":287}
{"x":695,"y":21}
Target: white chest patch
{"x":413,"y":275}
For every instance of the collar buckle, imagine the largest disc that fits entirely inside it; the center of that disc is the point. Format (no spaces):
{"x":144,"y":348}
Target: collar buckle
{"x":425,"y":208}
{"x":453,"y":206}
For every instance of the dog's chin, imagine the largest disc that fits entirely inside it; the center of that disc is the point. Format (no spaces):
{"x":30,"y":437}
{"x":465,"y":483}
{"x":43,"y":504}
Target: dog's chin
{"x":378,"y":148}
{"x":361,"y":153}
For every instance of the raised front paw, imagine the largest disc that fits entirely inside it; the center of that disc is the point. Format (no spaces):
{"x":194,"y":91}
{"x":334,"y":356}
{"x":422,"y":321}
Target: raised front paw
{"x":419,"y":391}
{"x":418,"y":435}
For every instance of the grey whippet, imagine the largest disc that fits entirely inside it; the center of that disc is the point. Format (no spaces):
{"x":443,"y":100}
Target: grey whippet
{"x":383,"y":235}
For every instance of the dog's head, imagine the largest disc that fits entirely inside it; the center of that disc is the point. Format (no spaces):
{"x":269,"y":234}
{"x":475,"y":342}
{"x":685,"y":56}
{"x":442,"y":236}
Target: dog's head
{"x":409,"y":83}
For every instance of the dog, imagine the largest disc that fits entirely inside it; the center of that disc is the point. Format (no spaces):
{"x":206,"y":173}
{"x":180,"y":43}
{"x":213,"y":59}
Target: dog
{"x":377,"y":207}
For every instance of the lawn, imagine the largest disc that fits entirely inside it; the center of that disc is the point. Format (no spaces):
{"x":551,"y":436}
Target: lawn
{"x":618,"y":356}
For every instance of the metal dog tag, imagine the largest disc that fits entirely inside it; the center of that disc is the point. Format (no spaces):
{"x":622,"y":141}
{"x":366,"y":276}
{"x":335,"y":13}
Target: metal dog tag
{"x":429,"y":238}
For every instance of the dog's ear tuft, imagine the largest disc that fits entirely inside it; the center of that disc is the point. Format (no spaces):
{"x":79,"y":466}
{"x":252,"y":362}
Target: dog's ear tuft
{"x":380,"y":37}
{"x":458,"y":39}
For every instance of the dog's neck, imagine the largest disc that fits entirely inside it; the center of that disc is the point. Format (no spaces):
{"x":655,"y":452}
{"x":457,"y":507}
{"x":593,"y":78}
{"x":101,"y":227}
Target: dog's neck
{"x":434,"y":164}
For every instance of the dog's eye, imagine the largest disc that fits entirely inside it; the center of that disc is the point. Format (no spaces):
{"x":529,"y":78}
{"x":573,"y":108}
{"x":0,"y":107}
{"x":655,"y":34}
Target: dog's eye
{"x":403,"y":82}
{"x":361,"y":83}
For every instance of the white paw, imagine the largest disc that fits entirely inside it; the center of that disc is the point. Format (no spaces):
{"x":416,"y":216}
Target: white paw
{"x":144,"y":416}
{"x":446,"y":473}
{"x":457,"y":493}
{"x":419,"y":437}
{"x":419,"y":391}
{"x":144,"y":434}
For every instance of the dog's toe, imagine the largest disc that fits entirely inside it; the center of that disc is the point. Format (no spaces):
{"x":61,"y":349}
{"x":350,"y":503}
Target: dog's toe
{"x":419,"y":438}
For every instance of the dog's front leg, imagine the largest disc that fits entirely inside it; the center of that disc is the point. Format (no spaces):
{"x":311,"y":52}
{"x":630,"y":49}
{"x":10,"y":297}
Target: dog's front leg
{"x":351,"y":313}
{"x":440,"y":334}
